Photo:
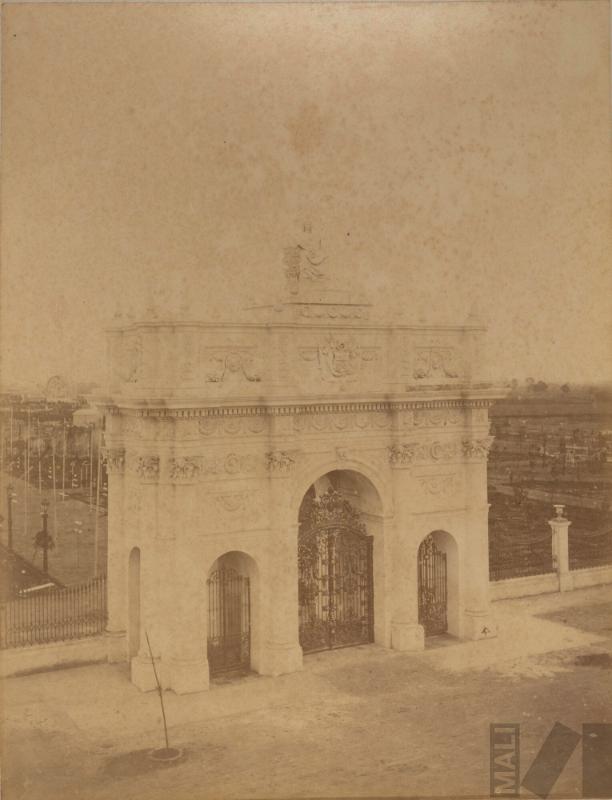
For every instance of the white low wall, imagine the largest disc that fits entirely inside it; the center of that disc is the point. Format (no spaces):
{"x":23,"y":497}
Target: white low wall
{"x":524,"y":587}
{"x":21,"y":660}
{"x":591,"y":576}
{"x":545,"y":584}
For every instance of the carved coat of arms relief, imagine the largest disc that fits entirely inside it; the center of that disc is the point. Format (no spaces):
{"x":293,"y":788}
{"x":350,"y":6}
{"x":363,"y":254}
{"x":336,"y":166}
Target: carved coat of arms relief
{"x":339,"y":358}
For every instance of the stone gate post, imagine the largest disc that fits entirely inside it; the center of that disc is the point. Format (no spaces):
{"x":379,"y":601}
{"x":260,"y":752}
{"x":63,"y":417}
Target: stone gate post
{"x":560,"y":547}
{"x":117,"y":558}
{"x":406,"y":632}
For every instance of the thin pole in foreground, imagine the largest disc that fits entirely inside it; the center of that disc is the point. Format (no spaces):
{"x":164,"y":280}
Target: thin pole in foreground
{"x":159,"y":689}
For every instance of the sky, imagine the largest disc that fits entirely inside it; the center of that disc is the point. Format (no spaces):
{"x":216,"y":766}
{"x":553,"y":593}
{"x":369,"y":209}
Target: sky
{"x":447,"y":154}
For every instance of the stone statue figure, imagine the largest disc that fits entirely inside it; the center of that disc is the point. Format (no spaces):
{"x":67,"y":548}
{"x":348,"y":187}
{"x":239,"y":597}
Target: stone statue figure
{"x":304,"y":259}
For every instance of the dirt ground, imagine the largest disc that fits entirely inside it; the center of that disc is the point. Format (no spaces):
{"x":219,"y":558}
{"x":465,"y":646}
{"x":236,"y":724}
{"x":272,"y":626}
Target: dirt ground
{"x":360,"y":722}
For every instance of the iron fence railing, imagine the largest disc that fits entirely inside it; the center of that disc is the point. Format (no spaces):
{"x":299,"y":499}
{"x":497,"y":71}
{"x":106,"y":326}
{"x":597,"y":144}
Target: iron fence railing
{"x":520,"y":539}
{"x":589,"y":548}
{"x":54,"y":615}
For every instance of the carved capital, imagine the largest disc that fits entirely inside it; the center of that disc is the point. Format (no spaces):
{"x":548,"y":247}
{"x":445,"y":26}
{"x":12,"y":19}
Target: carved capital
{"x":115,"y":460}
{"x":184,"y":468}
{"x":477,"y":448}
{"x":402,"y":454}
{"x":279,"y":461}
{"x":147,"y":467}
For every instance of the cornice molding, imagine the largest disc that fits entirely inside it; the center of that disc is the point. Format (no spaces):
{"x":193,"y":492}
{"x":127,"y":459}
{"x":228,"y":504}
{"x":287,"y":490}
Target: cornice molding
{"x":297,"y":409}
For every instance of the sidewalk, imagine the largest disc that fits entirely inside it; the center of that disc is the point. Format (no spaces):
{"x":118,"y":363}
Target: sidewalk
{"x":360,"y":721}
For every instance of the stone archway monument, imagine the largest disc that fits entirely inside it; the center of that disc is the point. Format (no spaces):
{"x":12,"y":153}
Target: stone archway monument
{"x":216,"y":432}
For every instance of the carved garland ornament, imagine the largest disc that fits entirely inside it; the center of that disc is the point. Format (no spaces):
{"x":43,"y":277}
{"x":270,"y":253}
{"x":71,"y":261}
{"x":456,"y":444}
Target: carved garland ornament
{"x":234,"y":363}
{"x":433,"y":362}
{"x":409,"y":452}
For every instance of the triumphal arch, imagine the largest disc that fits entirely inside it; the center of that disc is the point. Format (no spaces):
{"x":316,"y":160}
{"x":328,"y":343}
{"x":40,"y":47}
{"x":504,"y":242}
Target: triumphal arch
{"x":300,"y":479}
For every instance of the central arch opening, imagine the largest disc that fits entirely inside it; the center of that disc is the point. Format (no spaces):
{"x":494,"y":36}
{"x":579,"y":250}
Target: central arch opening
{"x":337,"y":519}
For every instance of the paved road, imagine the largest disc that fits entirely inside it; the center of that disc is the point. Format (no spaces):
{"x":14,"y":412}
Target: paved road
{"x":361,"y":722}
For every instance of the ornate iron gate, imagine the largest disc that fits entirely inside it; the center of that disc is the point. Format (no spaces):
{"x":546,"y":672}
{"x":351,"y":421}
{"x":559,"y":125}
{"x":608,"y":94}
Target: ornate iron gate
{"x":229,"y":622}
{"x":335,"y":575}
{"x":432,"y":588}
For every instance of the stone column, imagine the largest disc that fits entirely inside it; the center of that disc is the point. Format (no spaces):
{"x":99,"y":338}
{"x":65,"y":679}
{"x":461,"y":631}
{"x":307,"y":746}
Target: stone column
{"x":141,"y":668}
{"x":153,"y":571}
{"x":477,"y":621}
{"x":406,"y":632}
{"x":187,"y":667}
{"x":560,"y":548}
{"x":117,"y":558}
{"x":281,"y":652}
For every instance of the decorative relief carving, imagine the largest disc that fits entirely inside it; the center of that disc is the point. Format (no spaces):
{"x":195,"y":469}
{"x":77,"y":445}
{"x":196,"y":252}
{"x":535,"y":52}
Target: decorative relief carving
{"x":443,"y":451}
{"x":185,"y":467}
{"x":232,"y":363}
{"x":338,"y":358}
{"x":115,"y":460}
{"x":230,"y":464}
{"x":147,"y":467}
{"x":332,"y":311}
{"x":302,"y":260}
{"x":235,"y":426}
{"x":236,"y":509}
{"x":319,"y":423}
{"x":279,"y":461}
{"x":437,"y":417}
{"x":341,"y":358}
{"x":436,"y":362}
{"x":442,"y":486}
{"x":410,"y":452}
{"x":233,"y":502}
{"x":405,"y":453}
{"x":477,"y":448}
{"x":342,"y":454}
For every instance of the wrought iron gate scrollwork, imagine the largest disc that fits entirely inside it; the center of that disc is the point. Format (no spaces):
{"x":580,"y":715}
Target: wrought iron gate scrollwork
{"x":335,"y":589}
{"x":229,"y":621}
{"x":432,"y":588}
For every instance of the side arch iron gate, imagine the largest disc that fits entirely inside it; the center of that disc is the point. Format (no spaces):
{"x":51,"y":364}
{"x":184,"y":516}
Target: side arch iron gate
{"x":432,"y":588}
{"x":229,"y":622}
{"x":335,"y":575}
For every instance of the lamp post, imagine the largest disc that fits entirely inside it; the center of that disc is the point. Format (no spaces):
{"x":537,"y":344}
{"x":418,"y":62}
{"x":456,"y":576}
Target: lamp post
{"x":43,"y":540}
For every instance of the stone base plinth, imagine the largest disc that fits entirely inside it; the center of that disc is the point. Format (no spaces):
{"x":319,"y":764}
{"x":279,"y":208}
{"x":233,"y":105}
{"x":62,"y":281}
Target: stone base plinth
{"x":142,"y":675}
{"x":278,"y":659}
{"x":566,"y":582}
{"x":116,"y":646}
{"x":407,"y":636}
{"x":479,"y":625}
{"x":186,"y":676}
